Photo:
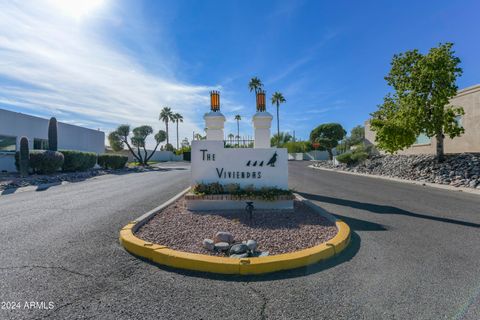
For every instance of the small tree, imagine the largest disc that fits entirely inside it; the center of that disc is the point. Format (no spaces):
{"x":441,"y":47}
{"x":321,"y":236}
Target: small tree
{"x":52,"y":134}
{"x":328,"y":135}
{"x":119,"y":138}
{"x":423,"y":86}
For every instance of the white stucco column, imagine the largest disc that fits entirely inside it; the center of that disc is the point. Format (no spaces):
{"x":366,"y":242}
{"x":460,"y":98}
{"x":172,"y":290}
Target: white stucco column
{"x":262,"y":122}
{"x":214,"y":123}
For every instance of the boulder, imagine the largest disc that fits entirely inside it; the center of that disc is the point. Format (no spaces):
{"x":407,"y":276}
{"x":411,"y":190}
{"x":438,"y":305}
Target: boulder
{"x":238,"y":249}
{"x":222,"y":246}
{"x":223,"y":237}
{"x":208,"y":244}
{"x":252,"y":245}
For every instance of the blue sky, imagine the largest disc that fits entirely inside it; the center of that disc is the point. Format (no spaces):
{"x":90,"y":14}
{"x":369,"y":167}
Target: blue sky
{"x":100,"y":63}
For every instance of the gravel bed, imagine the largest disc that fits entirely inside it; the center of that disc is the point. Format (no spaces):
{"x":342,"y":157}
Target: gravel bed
{"x":276,"y":231}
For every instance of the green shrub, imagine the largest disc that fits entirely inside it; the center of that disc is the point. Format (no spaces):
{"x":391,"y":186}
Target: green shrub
{"x":78,"y":160}
{"x":345,"y":158}
{"x":182,"y":150}
{"x":248,"y":192}
{"x":112,"y":161}
{"x":45,"y":161}
{"x":359,"y":156}
{"x":353,"y":157}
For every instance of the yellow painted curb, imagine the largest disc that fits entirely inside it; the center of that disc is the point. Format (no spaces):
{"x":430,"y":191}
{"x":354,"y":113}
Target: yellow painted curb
{"x":224,"y":265}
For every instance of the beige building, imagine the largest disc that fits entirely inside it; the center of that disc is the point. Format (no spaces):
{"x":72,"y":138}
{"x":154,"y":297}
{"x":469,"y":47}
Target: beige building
{"x":469,"y":99}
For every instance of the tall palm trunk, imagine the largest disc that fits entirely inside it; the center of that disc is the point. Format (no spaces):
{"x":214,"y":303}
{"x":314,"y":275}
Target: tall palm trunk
{"x":278,"y":126}
{"x":177,"y":134}
{"x":166,"y":125}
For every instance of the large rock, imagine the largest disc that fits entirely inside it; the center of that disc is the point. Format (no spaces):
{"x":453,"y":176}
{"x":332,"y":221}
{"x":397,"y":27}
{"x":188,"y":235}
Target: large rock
{"x":223,"y":237}
{"x":238,"y":249}
{"x":252,"y":245}
{"x":222,"y":246}
{"x":239,"y":256}
{"x":208,"y":244}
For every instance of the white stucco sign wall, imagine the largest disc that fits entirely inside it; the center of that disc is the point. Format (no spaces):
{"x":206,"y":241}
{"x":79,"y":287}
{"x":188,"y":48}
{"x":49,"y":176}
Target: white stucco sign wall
{"x":211,"y":162}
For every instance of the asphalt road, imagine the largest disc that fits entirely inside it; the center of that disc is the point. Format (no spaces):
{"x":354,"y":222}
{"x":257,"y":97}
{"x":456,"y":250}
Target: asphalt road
{"x":415,"y":254}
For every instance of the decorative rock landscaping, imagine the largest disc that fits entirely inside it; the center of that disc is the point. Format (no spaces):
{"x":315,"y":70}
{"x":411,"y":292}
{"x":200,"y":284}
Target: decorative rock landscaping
{"x":234,"y":234}
{"x":13,"y":180}
{"x":460,"y":170}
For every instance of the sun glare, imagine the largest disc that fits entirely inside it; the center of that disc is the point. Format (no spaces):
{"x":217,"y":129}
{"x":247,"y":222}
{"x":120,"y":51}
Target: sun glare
{"x":77,"y":9}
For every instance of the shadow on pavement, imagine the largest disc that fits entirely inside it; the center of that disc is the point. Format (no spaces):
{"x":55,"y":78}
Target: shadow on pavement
{"x":382,"y":209}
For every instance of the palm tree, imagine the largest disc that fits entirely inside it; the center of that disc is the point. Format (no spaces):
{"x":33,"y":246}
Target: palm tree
{"x":166,"y":115}
{"x":238,"y":118}
{"x":255,"y":84}
{"x":230,"y":136}
{"x":177,"y":117}
{"x":278,"y":98}
{"x":280,"y":139}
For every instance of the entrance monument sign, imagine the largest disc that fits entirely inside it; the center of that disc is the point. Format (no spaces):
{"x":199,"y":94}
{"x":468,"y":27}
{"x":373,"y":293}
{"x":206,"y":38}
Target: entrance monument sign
{"x":259,"y":167}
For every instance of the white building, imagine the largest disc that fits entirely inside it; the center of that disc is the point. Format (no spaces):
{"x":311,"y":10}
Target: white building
{"x":14,"y":126}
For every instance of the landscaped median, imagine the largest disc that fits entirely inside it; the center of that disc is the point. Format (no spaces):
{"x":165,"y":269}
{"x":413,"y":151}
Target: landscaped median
{"x":164,"y":255}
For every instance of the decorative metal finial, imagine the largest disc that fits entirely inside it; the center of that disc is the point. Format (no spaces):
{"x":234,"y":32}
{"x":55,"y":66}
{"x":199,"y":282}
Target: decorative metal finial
{"x":261,"y":101}
{"x":215,"y":100}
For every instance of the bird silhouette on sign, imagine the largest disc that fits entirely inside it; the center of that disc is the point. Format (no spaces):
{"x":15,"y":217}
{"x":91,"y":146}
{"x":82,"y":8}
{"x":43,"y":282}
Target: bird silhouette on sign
{"x":248,"y":163}
{"x":272,"y":160}
{"x":254,"y":164}
{"x":261,"y":164}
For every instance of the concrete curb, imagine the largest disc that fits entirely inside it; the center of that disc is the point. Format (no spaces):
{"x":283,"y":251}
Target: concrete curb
{"x":199,"y":262}
{"x":420,"y":183}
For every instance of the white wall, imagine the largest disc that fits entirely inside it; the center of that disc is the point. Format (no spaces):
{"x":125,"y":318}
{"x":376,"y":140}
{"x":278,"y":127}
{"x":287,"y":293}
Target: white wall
{"x":70,"y":137}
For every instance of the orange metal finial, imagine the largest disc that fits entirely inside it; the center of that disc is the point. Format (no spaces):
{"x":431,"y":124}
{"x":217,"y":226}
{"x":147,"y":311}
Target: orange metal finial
{"x":261,"y":101}
{"x":215,"y":100}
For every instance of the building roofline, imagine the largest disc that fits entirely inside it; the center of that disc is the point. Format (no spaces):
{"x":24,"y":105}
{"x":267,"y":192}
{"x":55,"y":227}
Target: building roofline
{"x":467,"y":90}
{"x":63,"y":123}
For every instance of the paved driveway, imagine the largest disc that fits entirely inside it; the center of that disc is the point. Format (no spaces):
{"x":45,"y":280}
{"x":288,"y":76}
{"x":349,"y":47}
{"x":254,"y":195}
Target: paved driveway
{"x":415,"y":254}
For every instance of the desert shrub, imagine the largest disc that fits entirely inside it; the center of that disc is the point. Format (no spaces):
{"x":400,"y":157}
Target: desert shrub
{"x":359,"y":154}
{"x":345,"y":158}
{"x":46,"y":161}
{"x":112,"y":161}
{"x":78,"y":160}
